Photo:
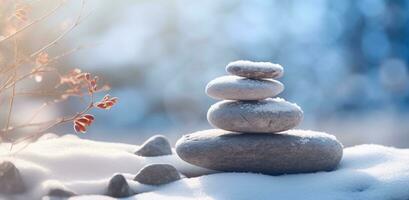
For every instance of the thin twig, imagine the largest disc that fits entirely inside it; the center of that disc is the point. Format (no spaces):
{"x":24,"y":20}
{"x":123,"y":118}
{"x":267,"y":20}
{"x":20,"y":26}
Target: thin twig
{"x":77,"y":21}
{"x":59,"y":121}
{"x":33,"y":22}
{"x":13,"y":93}
{"x":10,"y":83}
{"x":55,"y":41}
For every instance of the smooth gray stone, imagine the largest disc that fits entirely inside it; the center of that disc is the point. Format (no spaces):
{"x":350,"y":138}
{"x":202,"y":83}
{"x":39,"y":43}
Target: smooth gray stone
{"x":10,"y":179}
{"x":256,"y":70}
{"x":118,"y":187}
{"x":294,"y":151}
{"x":264,"y":116}
{"x":157,"y":174}
{"x":239,"y":88}
{"x":60,"y":193}
{"x":157,"y":145}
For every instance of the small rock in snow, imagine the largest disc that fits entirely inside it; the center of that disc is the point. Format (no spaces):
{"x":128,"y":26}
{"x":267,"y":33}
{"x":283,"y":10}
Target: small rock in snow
{"x":239,"y":88}
{"x":61,"y":193}
{"x":256,"y":70}
{"x":10,"y":179}
{"x":118,"y":187}
{"x":157,"y":174}
{"x":157,"y":145}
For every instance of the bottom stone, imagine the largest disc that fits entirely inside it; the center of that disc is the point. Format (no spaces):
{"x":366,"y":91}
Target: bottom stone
{"x":293,"y":151}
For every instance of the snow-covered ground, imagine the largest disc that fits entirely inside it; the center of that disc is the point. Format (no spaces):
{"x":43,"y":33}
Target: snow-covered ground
{"x":85,"y":166}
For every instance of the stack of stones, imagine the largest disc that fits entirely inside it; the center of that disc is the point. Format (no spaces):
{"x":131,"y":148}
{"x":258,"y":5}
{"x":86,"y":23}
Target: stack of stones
{"x":253,"y":132}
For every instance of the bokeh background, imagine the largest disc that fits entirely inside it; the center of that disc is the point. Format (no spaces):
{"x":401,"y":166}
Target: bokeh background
{"x":346,"y":62}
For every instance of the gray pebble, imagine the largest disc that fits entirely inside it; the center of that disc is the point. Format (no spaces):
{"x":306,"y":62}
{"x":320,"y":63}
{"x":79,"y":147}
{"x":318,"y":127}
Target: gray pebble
{"x":238,"y":88}
{"x":157,"y":145}
{"x":118,"y":187}
{"x":60,"y":193}
{"x":157,"y":174}
{"x":264,"y":116}
{"x":10,"y":179}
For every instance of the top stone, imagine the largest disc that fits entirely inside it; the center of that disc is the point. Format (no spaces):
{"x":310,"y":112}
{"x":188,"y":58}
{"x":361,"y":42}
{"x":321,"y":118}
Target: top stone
{"x":255,"y":70}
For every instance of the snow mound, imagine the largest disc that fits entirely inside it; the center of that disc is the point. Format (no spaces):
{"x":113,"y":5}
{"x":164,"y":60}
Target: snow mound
{"x":366,"y":172}
{"x":83,"y":166}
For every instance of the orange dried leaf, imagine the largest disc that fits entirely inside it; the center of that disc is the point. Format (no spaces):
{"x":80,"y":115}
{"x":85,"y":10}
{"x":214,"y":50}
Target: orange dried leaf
{"x":21,"y":14}
{"x":42,"y":59}
{"x":84,"y":121}
{"x":107,"y":102}
{"x":87,"y":76}
{"x":79,"y":123}
{"x":101,"y":105}
{"x":106,"y":97}
{"x":79,"y":129}
{"x":93,"y":82}
{"x":81,"y":76}
{"x":89,"y":117}
{"x":114,"y":99}
{"x":75,"y":71}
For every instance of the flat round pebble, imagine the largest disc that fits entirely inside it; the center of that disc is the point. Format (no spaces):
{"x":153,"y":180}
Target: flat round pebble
{"x":256,"y":70}
{"x":294,"y":151}
{"x":238,"y":88}
{"x":60,"y":193}
{"x":264,"y":116}
{"x":157,"y":174}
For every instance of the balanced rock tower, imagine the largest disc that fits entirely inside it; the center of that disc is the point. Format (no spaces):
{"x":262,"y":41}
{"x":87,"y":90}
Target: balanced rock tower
{"x":254,"y":129}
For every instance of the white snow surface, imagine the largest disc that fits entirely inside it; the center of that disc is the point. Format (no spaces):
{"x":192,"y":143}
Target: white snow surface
{"x":366,"y":172}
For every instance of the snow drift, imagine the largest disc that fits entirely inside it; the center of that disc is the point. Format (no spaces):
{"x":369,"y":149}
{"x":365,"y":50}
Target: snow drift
{"x":85,"y":166}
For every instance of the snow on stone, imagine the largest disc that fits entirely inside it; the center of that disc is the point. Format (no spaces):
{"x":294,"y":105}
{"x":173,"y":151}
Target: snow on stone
{"x":281,"y":105}
{"x":309,"y":134}
{"x":84,"y":167}
{"x":247,"y":63}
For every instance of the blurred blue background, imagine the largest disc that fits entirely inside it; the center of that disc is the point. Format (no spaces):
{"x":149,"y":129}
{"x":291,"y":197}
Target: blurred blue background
{"x":346,"y":62}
